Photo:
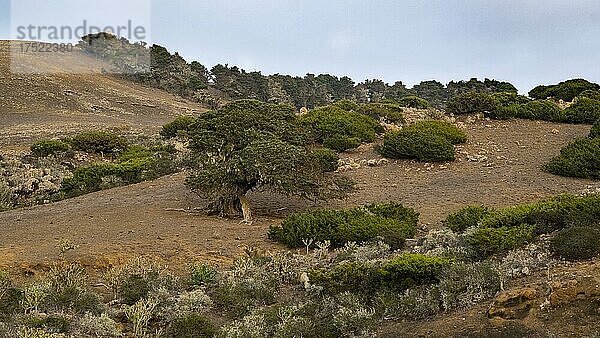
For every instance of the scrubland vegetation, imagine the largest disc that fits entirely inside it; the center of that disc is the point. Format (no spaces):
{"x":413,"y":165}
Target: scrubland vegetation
{"x":351,"y":269}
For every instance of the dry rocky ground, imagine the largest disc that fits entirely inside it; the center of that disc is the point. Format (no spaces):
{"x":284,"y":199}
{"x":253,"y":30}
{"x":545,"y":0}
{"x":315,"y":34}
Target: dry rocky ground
{"x":499,"y":166}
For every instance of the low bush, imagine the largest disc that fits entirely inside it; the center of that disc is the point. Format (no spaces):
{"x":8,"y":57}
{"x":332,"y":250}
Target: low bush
{"x":444,"y":129}
{"x":410,"y":270}
{"x":504,"y":112}
{"x":50,"y":324}
{"x":506,"y":99}
{"x":334,"y":122}
{"x":182,"y":124}
{"x":471,"y":102}
{"x":49,"y":147}
{"x":391,"y":221}
{"x":576,"y":243}
{"x":387,"y":112}
{"x":192,"y":325}
{"x":100,"y":176}
{"x":399,"y":274}
{"x":347,"y":105}
{"x":341,"y":143}
{"x":10,"y":303}
{"x":419,"y":145}
{"x":585,"y":111}
{"x":414,"y":102}
{"x":541,"y":110}
{"x":348,"y":276}
{"x":579,"y":159}
{"x":595,"y":132}
{"x":468,"y":217}
{"x":327,"y":159}
{"x":202,"y":274}
{"x":487,"y":242}
{"x":239,"y":299}
{"x":548,"y":216}
{"x":99,"y":142}
{"x":565,"y":91}
{"x":134,"y":288}
{"x":590,"y":94}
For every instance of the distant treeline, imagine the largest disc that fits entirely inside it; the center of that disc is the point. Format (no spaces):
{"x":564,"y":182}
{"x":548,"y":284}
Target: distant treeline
{"x":221,"y":83}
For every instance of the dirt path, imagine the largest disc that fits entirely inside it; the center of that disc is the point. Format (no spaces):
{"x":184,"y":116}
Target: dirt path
{"x":158,"y":218}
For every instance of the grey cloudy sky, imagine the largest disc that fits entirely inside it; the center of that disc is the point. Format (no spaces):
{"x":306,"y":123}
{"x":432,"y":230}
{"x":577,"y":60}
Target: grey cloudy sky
{"x":526,"y":42}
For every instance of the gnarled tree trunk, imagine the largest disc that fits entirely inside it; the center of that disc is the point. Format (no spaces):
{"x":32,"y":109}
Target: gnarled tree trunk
{"x":246,"y":211}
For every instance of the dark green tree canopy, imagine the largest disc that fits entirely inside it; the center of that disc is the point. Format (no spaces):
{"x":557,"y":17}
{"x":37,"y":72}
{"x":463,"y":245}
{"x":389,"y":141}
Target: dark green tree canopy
{"x":249,"y":145}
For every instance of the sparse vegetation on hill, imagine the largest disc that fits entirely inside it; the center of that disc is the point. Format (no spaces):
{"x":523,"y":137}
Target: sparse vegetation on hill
{"x":428,"y":141}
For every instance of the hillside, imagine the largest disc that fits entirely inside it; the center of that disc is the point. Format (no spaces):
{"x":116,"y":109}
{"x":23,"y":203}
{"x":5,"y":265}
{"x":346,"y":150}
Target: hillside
{"x":499,"y":166}
{"x":51,"y":105}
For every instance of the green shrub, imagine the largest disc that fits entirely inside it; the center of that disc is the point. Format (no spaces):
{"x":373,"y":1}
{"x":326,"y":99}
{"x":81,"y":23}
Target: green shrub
{"x":471,"y":102}
{"x":595,"y":132}
{"x":565,"y":91}
{"x":392,"y":221}
{"x":445,"y":129}
{"x":327,"y":159}
{"x":585,"y":111}
{"x":99,"y":176}
{"x":504,"y":112}
{"x":548,"y":216}
{"x":192,"y":326}
{"x":341,"y":143}
{"x":418,"y":145}
{"x":506,"y":99}
{"x":541,"y":110}
{"x":576,"y":243}
{"x":579,"y":159}
{"x":49,"y":147}
{"x":487,"y":242}
{"x":590,"y":94}
{"x":10,"y":303}
{"x":468,"y":217}
{"x":99,"y":142}
{"x":202,"y":274}
{"x":401,"y":273}
{"x":347,"y":105}
{"x":182,"y":124}
{"x":334,"y":122}
{"x":387,"y":112}
{"x":50,"y":324}
{"x":414,"y":102}
{"x":410,"y":270}
{"x":238,"y":299}
{"x":134,"y":288}
{"x":348,"y":276}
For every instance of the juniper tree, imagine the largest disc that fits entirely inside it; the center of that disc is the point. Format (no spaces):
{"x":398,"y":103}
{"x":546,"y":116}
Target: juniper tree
{"x":250,"y":145}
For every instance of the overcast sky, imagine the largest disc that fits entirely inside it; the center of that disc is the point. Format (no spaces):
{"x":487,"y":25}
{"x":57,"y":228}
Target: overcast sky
{"x":525,"y":42}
